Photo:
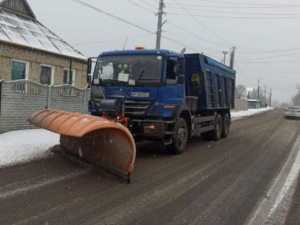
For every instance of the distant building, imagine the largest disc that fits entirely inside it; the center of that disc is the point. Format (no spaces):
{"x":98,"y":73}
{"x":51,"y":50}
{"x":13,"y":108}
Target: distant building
{"x":253,"y":104}
{"x":29,"y":50}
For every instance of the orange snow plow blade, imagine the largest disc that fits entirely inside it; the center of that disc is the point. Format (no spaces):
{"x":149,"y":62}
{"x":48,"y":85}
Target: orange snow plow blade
{"x":107,"y":144}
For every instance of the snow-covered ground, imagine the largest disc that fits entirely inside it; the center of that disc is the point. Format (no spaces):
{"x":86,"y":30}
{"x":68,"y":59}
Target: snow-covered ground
{"x":25,"y":145}
{"x":240,"y":114}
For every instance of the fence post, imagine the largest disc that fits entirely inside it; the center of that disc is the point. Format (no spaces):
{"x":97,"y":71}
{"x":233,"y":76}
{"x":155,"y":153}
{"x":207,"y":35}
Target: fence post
{"x":49,"y":97}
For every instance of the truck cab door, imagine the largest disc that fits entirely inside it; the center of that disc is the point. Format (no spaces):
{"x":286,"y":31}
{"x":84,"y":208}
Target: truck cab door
{"x":172,"y":93}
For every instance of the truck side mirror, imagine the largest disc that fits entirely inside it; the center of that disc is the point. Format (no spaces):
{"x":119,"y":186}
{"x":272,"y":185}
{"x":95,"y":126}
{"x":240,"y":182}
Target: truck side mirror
{"x":180,"y":79}
{"x":89,"y":78}
{"x":89,"y":66}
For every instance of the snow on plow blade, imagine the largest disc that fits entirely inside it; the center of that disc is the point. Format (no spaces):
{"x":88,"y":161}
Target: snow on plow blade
{"x":107,"y":144}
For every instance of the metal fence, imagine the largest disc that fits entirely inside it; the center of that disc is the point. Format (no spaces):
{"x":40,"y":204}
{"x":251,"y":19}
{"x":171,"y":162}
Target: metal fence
{"x":18,"y":99}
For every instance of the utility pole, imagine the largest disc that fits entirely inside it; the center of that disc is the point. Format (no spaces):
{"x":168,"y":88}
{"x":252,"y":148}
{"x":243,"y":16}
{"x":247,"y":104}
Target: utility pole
{"x":265,"y":94}
{"x":258,"y":97}
{"x":160,"y":23}
{"x":232,"y":55}
{"x":225,"y":53}
{"x":270,"y":98}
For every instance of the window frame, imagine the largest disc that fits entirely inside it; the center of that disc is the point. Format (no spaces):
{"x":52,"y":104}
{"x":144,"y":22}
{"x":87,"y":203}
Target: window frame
{"x":27,"y":63}
{"x":52,"y":71}
{"x":174,"y":59}
{"x":74,"y":75}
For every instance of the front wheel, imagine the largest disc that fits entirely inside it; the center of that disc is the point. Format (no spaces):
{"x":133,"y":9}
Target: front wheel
{"x":180,"y":138}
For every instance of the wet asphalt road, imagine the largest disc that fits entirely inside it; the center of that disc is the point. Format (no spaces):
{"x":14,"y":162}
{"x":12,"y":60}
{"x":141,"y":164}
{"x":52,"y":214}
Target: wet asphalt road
{"x":225,"y":182}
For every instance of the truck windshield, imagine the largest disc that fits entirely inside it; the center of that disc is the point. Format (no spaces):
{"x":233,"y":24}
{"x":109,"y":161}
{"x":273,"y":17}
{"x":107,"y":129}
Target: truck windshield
{"x":117,"y":70}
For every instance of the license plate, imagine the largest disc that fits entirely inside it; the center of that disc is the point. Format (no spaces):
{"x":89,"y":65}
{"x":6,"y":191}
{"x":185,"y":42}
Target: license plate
{"x":140,"y":94}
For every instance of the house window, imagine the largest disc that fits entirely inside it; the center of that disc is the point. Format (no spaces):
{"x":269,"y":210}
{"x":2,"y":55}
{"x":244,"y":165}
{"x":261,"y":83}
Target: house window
{"x":47,"y":75}
{"x":69,"y":78}
{"x":19,"y":70}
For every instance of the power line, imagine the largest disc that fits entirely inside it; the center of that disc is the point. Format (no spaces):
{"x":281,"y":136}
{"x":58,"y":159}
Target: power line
{"x":250,"y":13}
{"x":270,"y":51}
{"x":244,"y":75}
{"x":110,"y":40}
{"x":236,"y":17}
{"x":270,"y":88}
{"x":148,"y":4}
{"x":140,"y":6}
{"x":173,"y":5}
{"x":208,"y":41}
{"x":132,"y":24}
{"x":113,"y":16}
{"x":235,"y":3}
{"x":197,"y":46}
{"x":253,"y":62}
{"x":270,"y":57}
{"x":202,"y":24}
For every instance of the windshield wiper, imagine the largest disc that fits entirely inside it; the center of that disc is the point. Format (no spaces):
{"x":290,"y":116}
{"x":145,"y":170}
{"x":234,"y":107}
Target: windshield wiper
{"x":142,"y":73}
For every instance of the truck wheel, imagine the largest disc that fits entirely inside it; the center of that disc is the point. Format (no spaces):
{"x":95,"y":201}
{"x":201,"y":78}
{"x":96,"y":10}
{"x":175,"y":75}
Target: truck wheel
{"x":180,"y":138}
{"x":225,"y":126}
{"x":215,"y":134}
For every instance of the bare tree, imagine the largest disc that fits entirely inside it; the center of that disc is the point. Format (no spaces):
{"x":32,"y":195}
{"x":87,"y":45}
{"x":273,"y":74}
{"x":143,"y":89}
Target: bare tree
{"x":253,"y":94}
{"x":240,"y":91}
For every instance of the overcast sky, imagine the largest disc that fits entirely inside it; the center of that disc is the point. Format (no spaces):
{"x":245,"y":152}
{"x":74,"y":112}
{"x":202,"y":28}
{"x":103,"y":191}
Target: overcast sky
{"x":265,"y":32}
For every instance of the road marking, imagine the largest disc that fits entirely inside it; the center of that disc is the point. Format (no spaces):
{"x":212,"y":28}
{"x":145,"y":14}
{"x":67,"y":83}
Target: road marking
{"x":30,"y":187}
{"x":281,"y":190}
{"x":291,"y":178}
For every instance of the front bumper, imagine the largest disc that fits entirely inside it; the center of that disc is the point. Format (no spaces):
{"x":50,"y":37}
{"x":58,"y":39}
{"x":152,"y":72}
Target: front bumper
{"x":150,"y":129}
{"x":292,"y":114}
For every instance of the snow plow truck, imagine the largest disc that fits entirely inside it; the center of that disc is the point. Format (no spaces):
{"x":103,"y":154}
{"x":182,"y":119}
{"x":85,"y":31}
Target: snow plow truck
{"x":139,"y":95}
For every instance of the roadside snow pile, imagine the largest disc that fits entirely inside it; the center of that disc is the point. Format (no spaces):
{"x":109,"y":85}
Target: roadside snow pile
{"x":249,"y":112}
{"x":24,"y":145}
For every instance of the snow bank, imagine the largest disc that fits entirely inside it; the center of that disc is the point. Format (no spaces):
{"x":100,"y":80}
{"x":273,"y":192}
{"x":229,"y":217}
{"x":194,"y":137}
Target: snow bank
{"x":24,"y":145}
{"x":239,"y":114}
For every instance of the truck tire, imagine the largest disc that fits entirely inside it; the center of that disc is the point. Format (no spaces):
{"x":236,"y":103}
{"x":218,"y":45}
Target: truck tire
{"x":180,"y":138}
{"x":225,"y":126}
{"x":216,"y":133}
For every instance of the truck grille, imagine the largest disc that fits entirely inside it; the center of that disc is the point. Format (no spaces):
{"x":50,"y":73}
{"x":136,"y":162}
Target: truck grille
{"x":138,"y":108}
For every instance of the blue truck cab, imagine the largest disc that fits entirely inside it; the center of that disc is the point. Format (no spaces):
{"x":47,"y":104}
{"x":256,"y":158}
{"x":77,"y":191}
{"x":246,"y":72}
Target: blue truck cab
{"x":166,"y":96}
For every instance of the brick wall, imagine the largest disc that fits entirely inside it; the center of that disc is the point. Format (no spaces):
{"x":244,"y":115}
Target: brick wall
{"x":18,"y":99}
{"x":36,"y":58}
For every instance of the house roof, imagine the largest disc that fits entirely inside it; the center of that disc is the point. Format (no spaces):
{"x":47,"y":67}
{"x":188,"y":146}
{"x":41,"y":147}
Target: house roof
{"x":26,"y":6}
{"x":24,"y":31}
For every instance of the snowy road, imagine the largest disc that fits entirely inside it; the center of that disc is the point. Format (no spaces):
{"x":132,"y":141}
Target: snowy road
{"x":249,"y":178}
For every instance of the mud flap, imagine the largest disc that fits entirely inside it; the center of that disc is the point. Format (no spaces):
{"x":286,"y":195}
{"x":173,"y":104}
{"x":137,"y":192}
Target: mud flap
{"x":107,"y":144}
